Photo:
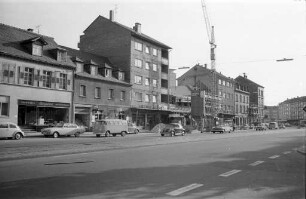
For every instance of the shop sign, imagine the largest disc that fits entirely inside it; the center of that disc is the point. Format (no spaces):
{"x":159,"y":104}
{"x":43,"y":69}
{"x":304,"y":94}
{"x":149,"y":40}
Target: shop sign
{"x":42,"y":103}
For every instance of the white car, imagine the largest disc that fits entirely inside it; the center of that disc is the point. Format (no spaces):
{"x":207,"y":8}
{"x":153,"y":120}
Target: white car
{"x":10,"y":130}
{"x":66,"y":129}
{"x":222,"y":129}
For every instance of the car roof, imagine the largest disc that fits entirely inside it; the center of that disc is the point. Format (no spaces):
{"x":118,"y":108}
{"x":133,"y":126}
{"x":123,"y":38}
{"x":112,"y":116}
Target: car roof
{"x":8,"y":123}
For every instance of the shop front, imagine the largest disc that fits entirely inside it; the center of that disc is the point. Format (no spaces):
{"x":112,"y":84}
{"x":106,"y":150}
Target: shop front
{"x":40,"y":114}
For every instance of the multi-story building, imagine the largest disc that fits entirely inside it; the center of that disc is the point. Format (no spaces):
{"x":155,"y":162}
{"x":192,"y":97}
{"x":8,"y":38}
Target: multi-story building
{"x":256,"y":105}
{"x":100,"y":89}
{"x":36,"y":79}
{"x":291,"y":110}
{"x":144,"y":60}
{"x":271,"y":114}
{"x":223,"y":101}
{"x":242,"y":98}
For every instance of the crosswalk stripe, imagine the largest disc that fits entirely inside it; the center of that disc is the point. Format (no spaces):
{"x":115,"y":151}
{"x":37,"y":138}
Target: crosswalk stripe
{"x":184,"y":189}
{"x":286,"y":152}
{"x":274,"y":156}
{"x":229,"y":173}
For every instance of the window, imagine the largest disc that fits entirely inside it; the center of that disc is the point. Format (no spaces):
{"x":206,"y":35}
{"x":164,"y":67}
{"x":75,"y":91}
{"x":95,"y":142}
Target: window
{"x":61,"y":55}
{"x":147,"y":81}
{"x":138,"y":63}
{"x":138,"y":46}
{"x":138,"y":96}
{"x":37,"y":50}
{"x":227,"y":83}
{"x":154,"y":82}
{"x":121,"y":76}
{"x":147,"y":50}
{"x":94,"y":70}
{"x":147,"y":66}
{"x":4,"y":105}
{"x":154,"y":98}
{"x":236,"y":97}
{"x":147,"y":98}
{"x":63,"y":81}
{"x":138,"y":79}
{"x":154,"y":51}
{"x":122,"y":95}
{"x":107,"y":72}
{"x":110,"y":93}
{"x":28,"y":76}
{"x":220,"y":81}
{"x":223,"y":83}
{"x":82,"y":91}
{"x":97,"y":92}
{"x":46,"y":79}
{"x":154,"y":67}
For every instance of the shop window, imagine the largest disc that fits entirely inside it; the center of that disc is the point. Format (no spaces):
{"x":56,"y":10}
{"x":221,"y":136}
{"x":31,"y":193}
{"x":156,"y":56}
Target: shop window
{"x":98,"y":92}
{"x":83,"y":91}
{"x":63,"y":81}
{"x":28,"y":76}
{"x":122,"y":95}
{"x":110,"y":93}
{"x":46,"y":79}
{"x":4,"y":105}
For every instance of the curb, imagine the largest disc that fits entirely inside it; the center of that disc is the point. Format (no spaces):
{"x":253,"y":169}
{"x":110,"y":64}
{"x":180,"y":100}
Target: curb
{"x":302,"y":150}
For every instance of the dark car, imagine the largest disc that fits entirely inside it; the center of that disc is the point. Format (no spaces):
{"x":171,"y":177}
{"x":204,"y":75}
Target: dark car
{"x":261,"y":127}
{"x":222,"y":129}
{"x":173,"y":129}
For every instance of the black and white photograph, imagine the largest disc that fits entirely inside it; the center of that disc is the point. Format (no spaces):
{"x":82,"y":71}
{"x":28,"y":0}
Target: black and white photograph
{"x":164,"y":99}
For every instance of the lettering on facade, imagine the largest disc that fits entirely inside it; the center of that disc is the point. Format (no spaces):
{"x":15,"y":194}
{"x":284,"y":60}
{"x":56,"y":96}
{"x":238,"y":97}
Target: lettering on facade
{"x":42,"y":103}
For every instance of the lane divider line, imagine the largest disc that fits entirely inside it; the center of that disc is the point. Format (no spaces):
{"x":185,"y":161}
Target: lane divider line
{"x":274,"y":156}
{"x":256,"y":163}
{"x":184,"y":189}
{"x":229,"y":173}
{"x":286,"y":152}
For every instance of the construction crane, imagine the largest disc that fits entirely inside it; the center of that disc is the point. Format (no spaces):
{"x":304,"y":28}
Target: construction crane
{"x":211,"y":38}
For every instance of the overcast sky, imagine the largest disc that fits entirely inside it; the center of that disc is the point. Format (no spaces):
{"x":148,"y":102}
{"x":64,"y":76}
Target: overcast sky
{"x":250,"y":34}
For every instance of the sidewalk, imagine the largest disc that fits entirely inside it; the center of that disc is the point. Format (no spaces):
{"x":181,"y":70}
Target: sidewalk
{"x":302,"y":150}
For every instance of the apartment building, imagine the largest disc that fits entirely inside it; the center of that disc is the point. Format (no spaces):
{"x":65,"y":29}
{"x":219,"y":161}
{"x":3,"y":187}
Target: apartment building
{"x":256,"y":100}
{"x":36,"y":79}
{"x":144,"y":60}
{"x":242,"y":98}
{"x":100,"y":89}
{"x":291,"y":110}
{"x":271,"y":114}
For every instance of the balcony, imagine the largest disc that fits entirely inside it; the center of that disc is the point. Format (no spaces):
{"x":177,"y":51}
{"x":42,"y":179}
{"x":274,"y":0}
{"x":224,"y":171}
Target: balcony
{"x":164,"y":91}
{"x":165,"y":61}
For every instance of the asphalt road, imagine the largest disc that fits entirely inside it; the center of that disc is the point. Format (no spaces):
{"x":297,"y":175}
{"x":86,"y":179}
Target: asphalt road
{"x":254,"y":165}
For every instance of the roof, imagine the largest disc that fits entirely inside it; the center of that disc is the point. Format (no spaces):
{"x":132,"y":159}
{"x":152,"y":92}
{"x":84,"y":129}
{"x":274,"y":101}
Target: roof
{"x":247,"y":80}
{"x":12,"y":43}
{"x":99,"y":77}
{"x":133,"y":32}
{"x":294,"y":100}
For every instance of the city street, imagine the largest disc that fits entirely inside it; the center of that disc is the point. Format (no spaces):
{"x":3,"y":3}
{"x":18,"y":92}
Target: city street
{"x":239,"y":165}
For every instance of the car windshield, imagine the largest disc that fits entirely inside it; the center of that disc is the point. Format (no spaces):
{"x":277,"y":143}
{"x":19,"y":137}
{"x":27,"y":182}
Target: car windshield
{"x":59,"y":125}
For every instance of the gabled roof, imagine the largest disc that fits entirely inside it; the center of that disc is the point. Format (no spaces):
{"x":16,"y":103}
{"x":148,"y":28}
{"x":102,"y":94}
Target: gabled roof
{"x":12,"y":44}
{"x":132,"y":32}
{"x":240,"y":78}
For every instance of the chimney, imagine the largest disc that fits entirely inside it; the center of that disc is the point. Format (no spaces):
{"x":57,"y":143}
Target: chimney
{"x":137,"y":27}
{"x":245,"y":76}
{"x":111,"y":15}
{"x":205,"y":65}
{"x":30,"y":29}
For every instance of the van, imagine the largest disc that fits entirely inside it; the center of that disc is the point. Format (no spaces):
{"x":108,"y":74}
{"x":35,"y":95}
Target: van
{"x":109,"y":127}
{"x":273,"y":125}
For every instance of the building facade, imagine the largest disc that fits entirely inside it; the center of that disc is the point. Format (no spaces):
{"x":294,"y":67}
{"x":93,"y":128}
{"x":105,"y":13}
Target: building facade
{"x":291,"y":110}
{"x":144,"y":60}
{"x":271,"y":114}
{"x":242,"y":100}
{"x":100,"y":89}
{"x":256,"y":100}
{"x":36,"y":79}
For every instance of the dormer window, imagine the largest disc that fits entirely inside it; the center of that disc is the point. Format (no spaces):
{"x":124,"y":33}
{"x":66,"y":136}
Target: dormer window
{"x":37,"y":50}
{"x":61,"y":55}
{"x":121,"y":75}
{"x":107,"y":72}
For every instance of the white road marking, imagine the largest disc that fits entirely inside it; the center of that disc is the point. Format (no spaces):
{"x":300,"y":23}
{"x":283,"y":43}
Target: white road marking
{"x":256,"y":163}
{"x":184,"y":189}
{"x":229,"y":173}
{"x":286,"y":152}
{"x":274,"y":156}
{"x":294,"y":149}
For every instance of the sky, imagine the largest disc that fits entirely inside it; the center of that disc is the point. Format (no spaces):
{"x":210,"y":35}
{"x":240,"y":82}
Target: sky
{"x":250,"y":34}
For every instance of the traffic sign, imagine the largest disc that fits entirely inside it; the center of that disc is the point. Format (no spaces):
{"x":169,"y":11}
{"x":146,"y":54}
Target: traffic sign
{"x":304,"y":108}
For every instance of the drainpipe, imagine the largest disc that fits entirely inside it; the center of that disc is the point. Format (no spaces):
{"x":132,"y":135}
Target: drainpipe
{"x":72,"y":98}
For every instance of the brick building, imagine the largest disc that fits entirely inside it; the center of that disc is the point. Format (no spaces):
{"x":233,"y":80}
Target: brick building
{"x":144,"y":60}
{"x":36,"y":79}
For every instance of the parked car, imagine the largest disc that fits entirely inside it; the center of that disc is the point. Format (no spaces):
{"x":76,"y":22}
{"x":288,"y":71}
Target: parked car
{"x":273,"y":125}
{"x":173,"y":129}
{"x":222,"y":129}
{"x":63,"y":129}
{"x":109,"y":127}
{"x":261,"y":127}
{"x":132,"y":128}
{"x":10,"y":130}
{"x":282,"y":126}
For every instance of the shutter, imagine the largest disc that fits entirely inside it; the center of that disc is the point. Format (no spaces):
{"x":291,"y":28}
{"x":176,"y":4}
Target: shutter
{"x":53,"y":80}
{"x":57,"y":75}
{"x":40,"y":78}
{"x":21,"y":74}
{"x":35,"y":78}
{"x":69,"y":81}
{"x":12,"y":69}
{"x":5,"y":72}
{"x":1,"y":72}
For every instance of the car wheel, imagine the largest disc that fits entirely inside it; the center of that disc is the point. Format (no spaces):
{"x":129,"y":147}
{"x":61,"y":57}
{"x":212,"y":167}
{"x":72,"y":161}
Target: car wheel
{"x":162,"y":135}
{"x":123,"y":134}
{"x":136,"y":131}
{"x":107,"y":134}
{"x":98,"y":135}
{"x":17,"y":136}
{"x":172,"y":134}
{"x":77,"y":134}
{"x":213,"y":131}
{"x":183,"y":133}
{"x":55,"y":135}
{"x":114,"y":135}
